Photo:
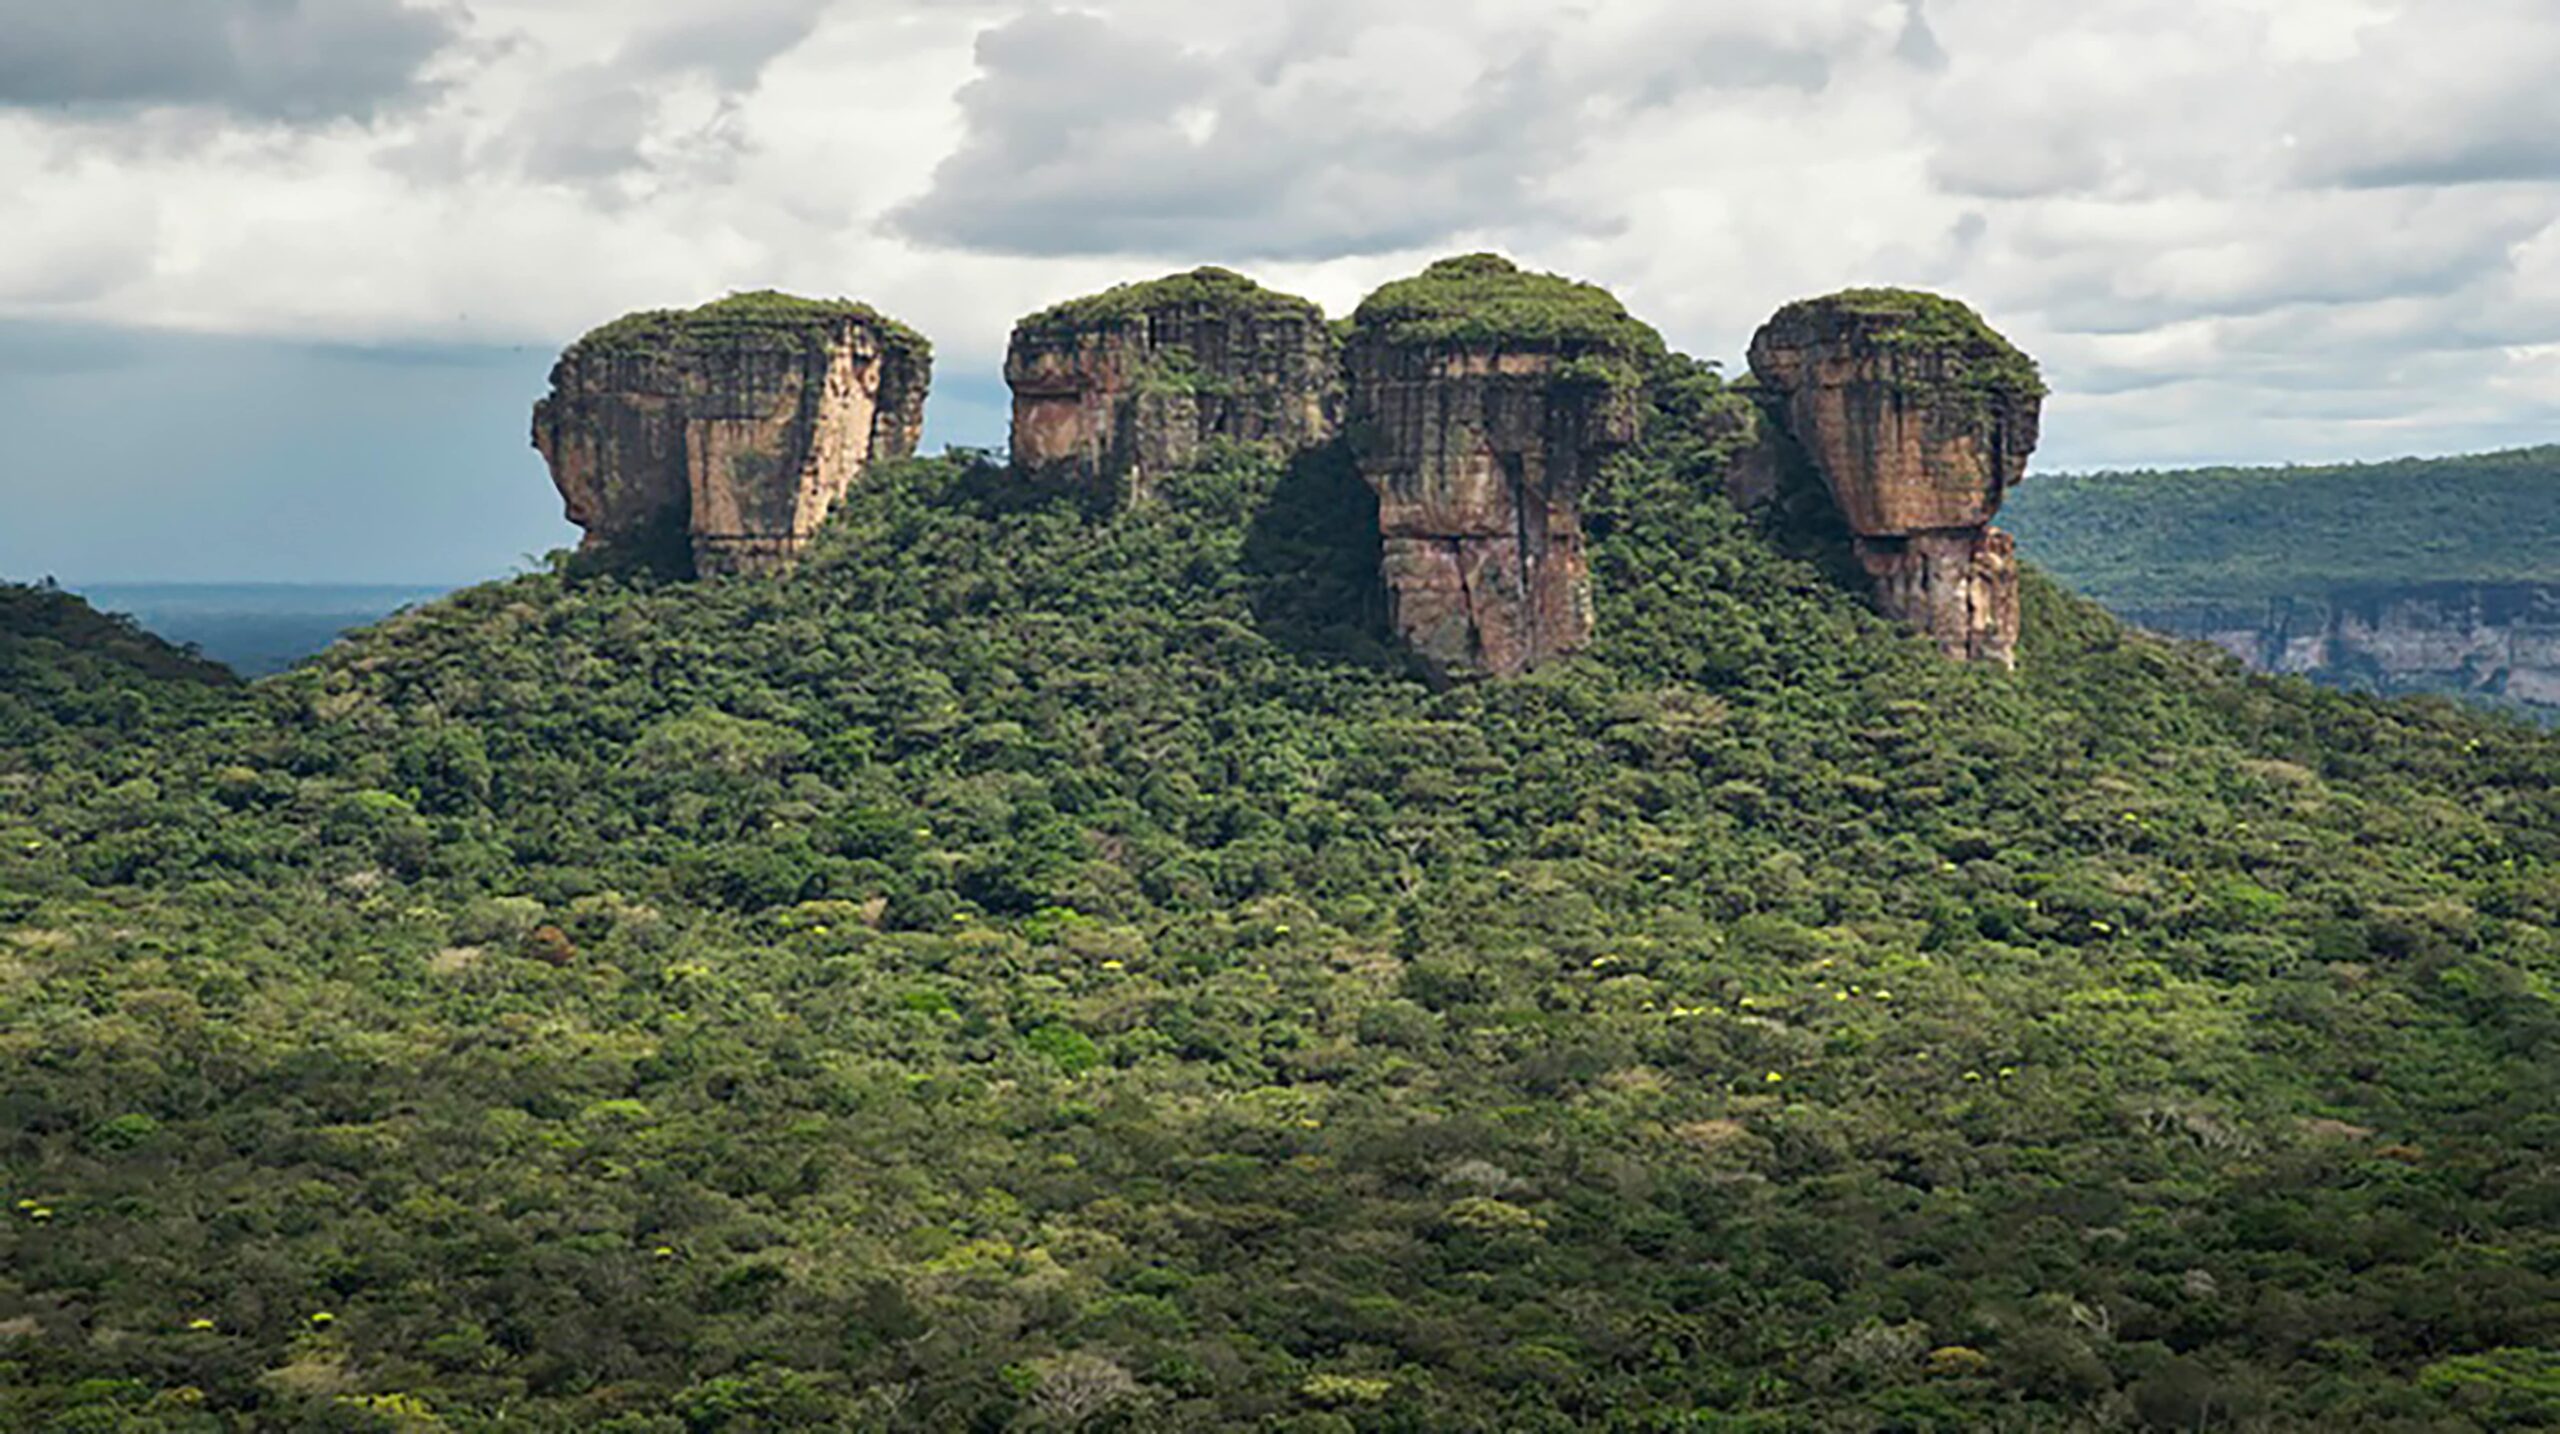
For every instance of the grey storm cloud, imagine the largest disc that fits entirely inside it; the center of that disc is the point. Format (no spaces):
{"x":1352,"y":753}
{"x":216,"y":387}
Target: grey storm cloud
{"x":591,"y":123}
{"x":2502,"y":135}
{"x":588,"y":126}
{"x":732,"y":47}
{"x":1918,"y":44}
{"x":1740,"y":62}
{"x":2447,"y":249}
{"x":2521,"y":157}
{"x":1084,"y":136}
{"x":2446,"y":95}
{"x":289,"y":60}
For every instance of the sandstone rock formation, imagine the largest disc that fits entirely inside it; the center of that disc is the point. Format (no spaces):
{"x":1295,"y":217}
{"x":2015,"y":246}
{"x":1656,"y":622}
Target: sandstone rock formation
{"x":1484,"y":401}
{"x":1919,"y":418}
{"x":2499,"y":641}
{"x":1117,"y":388}
{"x":737,"y":425}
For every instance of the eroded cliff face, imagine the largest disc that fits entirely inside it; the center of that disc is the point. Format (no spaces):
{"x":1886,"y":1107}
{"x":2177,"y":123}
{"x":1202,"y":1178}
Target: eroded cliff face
{"x":737,"y":425}
{"x":2486,"y":640}
{"x":1122,"y":387}
{"x":1919,"y":419}
{"x":1484,"y":401}
{"x":1959,"y":586}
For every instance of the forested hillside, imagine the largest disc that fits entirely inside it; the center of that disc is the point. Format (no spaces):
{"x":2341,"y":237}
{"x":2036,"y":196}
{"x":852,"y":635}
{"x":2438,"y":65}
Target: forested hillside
{"x":1035,"y":968}
{"x":2219,"y":534}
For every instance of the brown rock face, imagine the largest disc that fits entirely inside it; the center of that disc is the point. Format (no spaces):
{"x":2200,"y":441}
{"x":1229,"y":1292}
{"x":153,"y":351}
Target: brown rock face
{"x":1480,"y":456}
{"x":738,"y":425}
{"x":1919,"y":418}
{"x":1484,"y":401}
{"x":1958,"y":586}
{"x":1119,"y":388}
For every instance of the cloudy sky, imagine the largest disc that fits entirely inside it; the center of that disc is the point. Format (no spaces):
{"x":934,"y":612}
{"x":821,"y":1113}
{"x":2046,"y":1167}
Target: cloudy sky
{"x":280,"y":279}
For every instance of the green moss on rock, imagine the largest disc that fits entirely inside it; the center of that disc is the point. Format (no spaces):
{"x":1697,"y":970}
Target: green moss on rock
{"x":1485,"y":299}
{"x":1173,"y":369}
{"x":741,"y":319}
{"x":1914,"y":321}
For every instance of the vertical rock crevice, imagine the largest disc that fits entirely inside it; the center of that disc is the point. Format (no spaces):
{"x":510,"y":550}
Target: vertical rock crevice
{"x":1919,"y":418}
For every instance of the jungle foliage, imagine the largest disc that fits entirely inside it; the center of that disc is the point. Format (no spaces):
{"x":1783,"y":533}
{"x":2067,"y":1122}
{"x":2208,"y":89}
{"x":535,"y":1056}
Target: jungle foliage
{"x":1220,"y":290}
{"x":1970,"y":354}
{"x":1487,"y":299}
{"x":1033,"y":968}
{"x":761,"y":318}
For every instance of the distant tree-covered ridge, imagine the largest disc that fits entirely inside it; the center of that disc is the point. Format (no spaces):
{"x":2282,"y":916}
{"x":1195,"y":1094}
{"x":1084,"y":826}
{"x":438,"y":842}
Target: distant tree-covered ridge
{"x":2242,"y":533}
{"x":43,"y":627}
{"x":1047,"y":966}
{"x":73,"y":679}
{"x":255,"y":629}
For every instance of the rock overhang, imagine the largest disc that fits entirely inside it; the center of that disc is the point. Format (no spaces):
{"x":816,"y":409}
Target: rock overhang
{"x":1919,"y":417}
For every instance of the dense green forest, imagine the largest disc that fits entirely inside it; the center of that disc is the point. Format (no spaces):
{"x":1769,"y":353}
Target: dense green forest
{"x":2222,"y":534}
{"x":1036,"y":968}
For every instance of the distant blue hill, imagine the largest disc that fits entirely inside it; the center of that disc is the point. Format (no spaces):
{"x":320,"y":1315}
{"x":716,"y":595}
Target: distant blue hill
{"x":257,"y":628}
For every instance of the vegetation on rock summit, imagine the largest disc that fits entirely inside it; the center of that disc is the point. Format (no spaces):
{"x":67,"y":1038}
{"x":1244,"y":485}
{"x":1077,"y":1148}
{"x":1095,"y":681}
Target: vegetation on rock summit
{"x":762,"y":316}
{"x":1487,"y":299}
{"x":1220,"y":290}
{"x":1918,"y":322}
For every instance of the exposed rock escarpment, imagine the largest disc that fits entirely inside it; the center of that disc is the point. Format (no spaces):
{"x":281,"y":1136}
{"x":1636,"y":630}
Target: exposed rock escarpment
{"x":2482,"y":640}
{"x":1919,"y":418}
{"x":1481,"y":403}
{"x":1484,"y":401}
{"x":736,"y":425}
{"x":1117,"y":388}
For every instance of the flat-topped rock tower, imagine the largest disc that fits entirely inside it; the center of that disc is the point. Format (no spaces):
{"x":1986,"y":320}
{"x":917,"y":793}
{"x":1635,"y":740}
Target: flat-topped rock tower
{"x":1920,"y":418}
{"x":1480,"y":403}
{"x":1484,"y":400}
{"x":1118,"y":388}
{"x":736,"y":425}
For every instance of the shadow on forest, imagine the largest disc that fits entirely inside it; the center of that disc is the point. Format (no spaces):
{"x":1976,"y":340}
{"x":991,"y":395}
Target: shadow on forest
{"x":1311,"y":557}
